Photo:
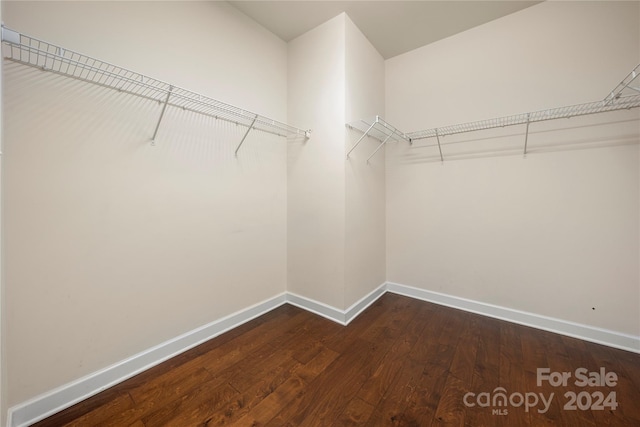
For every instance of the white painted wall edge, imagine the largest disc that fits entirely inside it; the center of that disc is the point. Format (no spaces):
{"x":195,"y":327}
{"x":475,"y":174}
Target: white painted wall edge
{"x":558,"y":326}
{"x":69,"y":394}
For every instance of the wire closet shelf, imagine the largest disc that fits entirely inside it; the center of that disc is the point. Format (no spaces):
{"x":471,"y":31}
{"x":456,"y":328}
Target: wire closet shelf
{"x":621,"y":103}
{"x":625,"y":96}
{"x":27,"y":50}
{"x":379,"y":129}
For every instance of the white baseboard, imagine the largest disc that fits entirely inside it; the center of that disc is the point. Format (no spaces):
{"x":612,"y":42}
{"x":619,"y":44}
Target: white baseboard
{"x":343,"y":317}
{"x":316,"y":307}
{"x":69,"y":394}
{"x":559,"y":326}
{"x":362,"y":304}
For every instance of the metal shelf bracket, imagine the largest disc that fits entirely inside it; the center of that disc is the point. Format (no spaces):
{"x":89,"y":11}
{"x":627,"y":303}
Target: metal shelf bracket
{"x":439,"y":146}
{"x":363,"y":136}
{"x":379,"y":129}
{"x":245,"y":135}
{"x":164,"y":107}
{"x":379,"y":147}
{"x":617,"y":92}
{"x":526,"y":134}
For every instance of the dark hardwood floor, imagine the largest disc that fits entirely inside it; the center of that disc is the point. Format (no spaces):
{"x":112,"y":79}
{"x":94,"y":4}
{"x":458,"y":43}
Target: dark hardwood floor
{"x":402,"y":362}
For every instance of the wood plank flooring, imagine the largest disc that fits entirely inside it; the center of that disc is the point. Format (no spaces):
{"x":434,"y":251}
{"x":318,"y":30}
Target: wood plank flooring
{"x":402,"y":362}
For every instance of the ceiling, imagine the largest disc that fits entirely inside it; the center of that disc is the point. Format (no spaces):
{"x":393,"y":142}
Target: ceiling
{"x":393,"y":27}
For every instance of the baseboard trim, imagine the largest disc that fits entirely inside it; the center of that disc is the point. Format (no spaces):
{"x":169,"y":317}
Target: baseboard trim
{"x":362,"y":304}
{"x":56,"y":400}
{"x":343,"y":317}
{"x":69,"y":394}
{"x":316,"y":307}
{"x":558,"y":326}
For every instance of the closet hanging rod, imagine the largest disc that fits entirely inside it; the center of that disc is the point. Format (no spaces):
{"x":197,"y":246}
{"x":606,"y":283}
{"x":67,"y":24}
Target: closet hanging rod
{"x":27,"y":50}
{"x":620,"y":103}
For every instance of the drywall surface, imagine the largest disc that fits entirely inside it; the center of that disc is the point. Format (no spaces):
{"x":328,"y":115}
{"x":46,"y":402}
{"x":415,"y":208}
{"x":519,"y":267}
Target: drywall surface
{"x":114,"y":245}
{"x":336,"y":208}
{"x":316,"y":173}
{"x":555,"y":233}
{"x":3,"y":368}
{"x":365,"y":245}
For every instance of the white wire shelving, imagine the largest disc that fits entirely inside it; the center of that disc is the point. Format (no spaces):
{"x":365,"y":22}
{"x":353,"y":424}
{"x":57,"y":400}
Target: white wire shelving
{"x":33,"y":52}
{"x":379,"y":129}
{"x":625,"y":96}
{"x":627,"y":87}
{"x":622,"y":103}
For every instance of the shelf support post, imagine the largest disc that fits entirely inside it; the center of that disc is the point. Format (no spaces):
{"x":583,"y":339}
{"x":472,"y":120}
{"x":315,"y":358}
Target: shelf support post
{"x":526,"y":134}
{"x":245,"y":134}
{"x":164,"y":107}
{"x":379,"y":147}
{"x":362,"y":137}
{"x":439,"y":147}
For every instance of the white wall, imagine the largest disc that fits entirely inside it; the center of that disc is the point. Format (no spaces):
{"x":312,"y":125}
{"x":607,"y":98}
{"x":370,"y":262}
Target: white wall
{"x":336,"y":209}
{"x":554,"y":234}
{"x":365,"y":250}
{"x":3,"y":368}
{"x":115,"y":246}
{"x":316,"y":180}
